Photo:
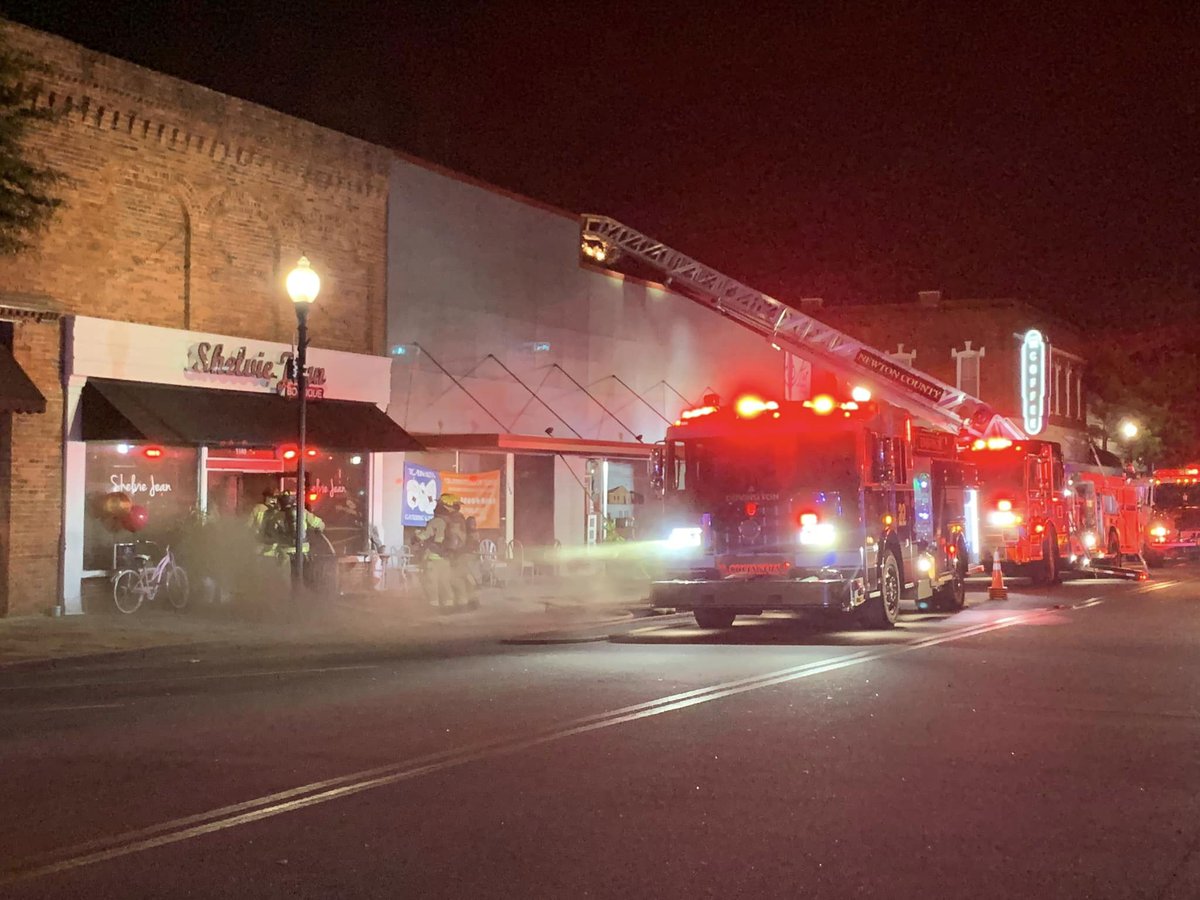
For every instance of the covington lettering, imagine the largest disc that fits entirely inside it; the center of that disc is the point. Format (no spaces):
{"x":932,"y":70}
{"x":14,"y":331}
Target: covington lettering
{"x":211,"y":359}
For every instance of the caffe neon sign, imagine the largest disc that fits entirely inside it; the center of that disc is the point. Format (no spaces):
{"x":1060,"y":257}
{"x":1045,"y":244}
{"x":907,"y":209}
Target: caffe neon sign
{"x":1033,"y":381}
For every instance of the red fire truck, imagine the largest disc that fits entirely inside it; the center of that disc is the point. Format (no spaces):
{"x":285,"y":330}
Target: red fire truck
{"x":1023,"y":510}
{"x":1174,"y":531}
{"x":1110,"y":513}
{"x":837,"y":505}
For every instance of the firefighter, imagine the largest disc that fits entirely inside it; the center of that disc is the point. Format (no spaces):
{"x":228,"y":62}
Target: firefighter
{"x":440,"y":542}
{"x":259,"y":517}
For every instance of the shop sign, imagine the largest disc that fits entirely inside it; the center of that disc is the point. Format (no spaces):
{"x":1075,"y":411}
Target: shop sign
{"x":885,"y":368}
{"x":422,"y":487}
{"x":133,"y":486}
{"x":266,"y":367}
{"x":1033,"y":381}
{"x":287,"y":388}
{"x":480,"y":495}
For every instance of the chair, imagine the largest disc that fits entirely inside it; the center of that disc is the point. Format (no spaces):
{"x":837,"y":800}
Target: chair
{"x":516,"y":553}
{"x":401,"y":559}
{"x":487,"y":561}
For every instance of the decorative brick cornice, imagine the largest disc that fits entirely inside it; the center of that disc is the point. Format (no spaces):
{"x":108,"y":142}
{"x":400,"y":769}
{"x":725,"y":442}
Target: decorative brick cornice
{"x":83,"y":100}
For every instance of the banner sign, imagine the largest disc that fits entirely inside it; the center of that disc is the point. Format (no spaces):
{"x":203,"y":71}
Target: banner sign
{"x":480,"y":494}
{"x":422,"y":487}
{"x":885,"y":368}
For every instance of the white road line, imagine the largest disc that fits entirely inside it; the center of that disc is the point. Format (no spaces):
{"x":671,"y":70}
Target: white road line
{"x":175,"y":679}
{"x":43,"y":709}
{"x":298,"y":798}
{"x":1157,"y":586}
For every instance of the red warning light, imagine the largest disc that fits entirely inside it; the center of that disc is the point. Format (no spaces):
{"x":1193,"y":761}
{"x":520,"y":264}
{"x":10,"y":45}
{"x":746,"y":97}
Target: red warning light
{"x":751,"y":509}
{"x":289,"y":453}
{"x":152,"y":452}
{"x":312,"y":496}
{"x":311,"y":453}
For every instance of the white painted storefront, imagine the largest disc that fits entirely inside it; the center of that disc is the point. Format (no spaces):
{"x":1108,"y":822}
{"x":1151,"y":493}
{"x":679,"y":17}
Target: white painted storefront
{"x":496,"y":327}
{"x":100,"y":350}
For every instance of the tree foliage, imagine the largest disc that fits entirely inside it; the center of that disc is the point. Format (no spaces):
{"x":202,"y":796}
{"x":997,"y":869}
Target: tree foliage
{"x":27,"y":184}
{"x":1158,"y":389}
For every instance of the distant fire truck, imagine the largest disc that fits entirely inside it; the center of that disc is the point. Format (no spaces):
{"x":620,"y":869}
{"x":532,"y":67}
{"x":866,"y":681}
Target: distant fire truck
{"x":1110,"y":513}
{"x":1023,"y":510}
{"x":1174,"y":531}
{"x":838,"y":505}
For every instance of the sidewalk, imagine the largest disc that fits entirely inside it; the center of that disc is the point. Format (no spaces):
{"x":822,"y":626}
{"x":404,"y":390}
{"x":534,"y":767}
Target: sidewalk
{"x":371,"y":620}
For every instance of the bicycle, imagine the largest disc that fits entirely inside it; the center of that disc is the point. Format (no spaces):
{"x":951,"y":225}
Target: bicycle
{"x":134,"y":586}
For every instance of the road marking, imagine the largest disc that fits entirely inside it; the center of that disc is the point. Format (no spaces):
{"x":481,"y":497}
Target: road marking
{"x":41,"y":709}
{"x":223,"y":818}
{"x":1094,"y":601}
{"x":173,"y":679}
{"x":1157,"y":586}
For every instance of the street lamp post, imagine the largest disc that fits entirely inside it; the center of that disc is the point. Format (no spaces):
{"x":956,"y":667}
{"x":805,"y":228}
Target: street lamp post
{"x":303,"y":285}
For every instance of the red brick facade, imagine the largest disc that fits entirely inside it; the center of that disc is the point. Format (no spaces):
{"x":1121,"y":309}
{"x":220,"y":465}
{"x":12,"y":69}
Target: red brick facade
{"x":185,"y":209}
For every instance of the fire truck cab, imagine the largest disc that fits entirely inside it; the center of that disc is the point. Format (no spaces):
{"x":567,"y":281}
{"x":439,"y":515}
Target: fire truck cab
{"x":1023,"y":514}
{"x":1174,"y":530}
{"x":835,"y":505}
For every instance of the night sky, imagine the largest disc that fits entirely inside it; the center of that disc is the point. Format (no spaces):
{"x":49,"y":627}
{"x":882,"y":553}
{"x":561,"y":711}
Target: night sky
{"x":849,"y":151}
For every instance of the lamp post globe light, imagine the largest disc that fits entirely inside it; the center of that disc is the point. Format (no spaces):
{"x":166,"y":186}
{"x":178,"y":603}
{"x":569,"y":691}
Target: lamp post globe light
{"x":303,"y":285}
{"x":1129,"y":430}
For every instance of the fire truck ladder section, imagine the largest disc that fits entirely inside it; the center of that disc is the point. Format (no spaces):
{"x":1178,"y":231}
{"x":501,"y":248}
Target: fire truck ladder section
{"x":935,"y":403}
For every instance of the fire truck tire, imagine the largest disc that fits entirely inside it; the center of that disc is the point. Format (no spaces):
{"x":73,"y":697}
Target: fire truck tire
{"x":952,"y":596}
{"x":1153,"y":560}
{"x":1048,"y":572}
{"x":882,"y":611}
{"x":714,"y":618}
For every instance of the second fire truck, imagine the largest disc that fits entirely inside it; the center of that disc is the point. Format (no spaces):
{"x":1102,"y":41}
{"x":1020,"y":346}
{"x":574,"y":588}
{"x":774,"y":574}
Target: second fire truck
{"x":1174,"y":532}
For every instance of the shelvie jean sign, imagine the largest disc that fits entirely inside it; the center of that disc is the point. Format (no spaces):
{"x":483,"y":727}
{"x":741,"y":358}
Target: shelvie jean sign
{"x":102,"y":348}
{"x":263,"y":367}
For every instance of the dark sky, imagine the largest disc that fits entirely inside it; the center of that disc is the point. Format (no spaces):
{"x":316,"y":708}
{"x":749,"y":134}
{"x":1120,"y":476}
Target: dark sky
{"x":856,"y":151}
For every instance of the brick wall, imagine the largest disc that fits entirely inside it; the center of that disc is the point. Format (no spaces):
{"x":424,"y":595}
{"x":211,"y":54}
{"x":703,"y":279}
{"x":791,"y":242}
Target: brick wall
{"x":186,"y":209}
{"x":31,"y":479}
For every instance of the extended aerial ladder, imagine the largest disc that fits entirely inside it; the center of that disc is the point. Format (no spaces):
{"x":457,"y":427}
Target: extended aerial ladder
{"x":934,"y":403}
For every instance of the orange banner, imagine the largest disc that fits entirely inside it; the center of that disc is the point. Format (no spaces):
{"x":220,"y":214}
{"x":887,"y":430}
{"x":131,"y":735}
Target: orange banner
{"x":480,"y":494}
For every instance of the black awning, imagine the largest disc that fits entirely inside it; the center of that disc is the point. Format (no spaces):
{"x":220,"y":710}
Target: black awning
{"x":18,"y":393}
{"x":186,"y":416}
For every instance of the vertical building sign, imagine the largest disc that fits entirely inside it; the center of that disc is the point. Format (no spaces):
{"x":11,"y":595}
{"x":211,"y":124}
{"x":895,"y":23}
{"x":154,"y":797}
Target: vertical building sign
{"x":1033,"y":381}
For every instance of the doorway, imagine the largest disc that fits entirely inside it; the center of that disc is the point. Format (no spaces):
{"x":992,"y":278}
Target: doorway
{"x":533,"y":500}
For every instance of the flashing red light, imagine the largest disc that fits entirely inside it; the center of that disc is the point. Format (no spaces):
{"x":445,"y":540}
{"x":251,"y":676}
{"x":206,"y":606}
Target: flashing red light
{"x":1039,"y":528}
{"x":1004,"y":505}
{"x":290,"y":453}
{"x":952,"y":550}
{"x":751,"y":508}
{"x":750,"y":406}
{"x":808,"y":519}
{"x":310,"y":453}
{"x":312,"y":496}
{"x":697,"y":412}
{"x":152,"y":452}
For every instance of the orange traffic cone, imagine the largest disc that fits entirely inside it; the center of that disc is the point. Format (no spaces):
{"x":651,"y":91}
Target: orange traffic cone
{"x":997,"y":591}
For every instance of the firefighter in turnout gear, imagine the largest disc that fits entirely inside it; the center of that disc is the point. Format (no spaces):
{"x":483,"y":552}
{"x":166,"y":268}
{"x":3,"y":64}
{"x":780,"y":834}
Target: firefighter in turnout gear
{"x":441,"y":540}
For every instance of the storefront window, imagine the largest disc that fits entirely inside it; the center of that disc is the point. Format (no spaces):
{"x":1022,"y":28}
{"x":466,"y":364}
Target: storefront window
{"x":337,"y":491}
{"x":134,"y":493}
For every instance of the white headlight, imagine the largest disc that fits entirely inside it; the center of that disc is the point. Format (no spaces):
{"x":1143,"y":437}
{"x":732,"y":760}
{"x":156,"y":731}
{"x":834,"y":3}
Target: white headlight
{"x":1089,"y":540}
{"x":1159,"y":531}
{"x":820,"y":534}
{"x":1004,"y":518}
{"x":684,"y":538}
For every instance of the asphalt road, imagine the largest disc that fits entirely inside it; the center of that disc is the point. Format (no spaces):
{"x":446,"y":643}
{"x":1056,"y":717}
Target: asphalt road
{"x":1046,"y":746}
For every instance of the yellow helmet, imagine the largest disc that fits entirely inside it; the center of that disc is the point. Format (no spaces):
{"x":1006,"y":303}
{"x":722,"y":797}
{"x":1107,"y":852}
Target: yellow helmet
{"x":451,"y":500}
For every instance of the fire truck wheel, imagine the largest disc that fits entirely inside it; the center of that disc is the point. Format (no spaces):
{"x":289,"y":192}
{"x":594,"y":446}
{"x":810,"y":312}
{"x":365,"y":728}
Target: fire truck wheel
{"x":714,"y":618}
{"x":952,"y":596}
{"x":1047,"y":572}
{"x":883,"y":610}
{"x":1153,"y":560}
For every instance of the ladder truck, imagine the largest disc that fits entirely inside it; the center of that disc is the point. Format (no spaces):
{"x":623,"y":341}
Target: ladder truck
{"x":844,"y":504}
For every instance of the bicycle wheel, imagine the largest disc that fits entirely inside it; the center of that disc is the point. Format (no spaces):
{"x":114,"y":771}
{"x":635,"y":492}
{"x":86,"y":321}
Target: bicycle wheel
{"x":125,"y":592}
{"x":176,"y":586}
